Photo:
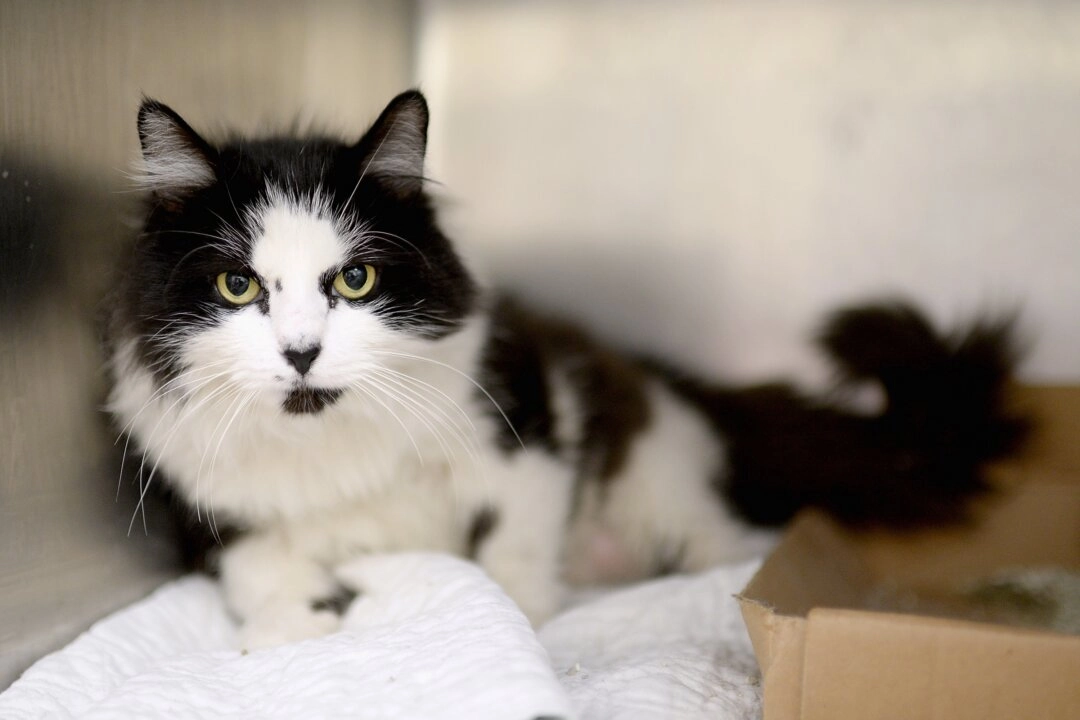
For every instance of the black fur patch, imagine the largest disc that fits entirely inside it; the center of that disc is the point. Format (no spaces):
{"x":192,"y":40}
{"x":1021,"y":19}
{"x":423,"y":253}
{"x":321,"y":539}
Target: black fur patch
{"x":916,"y":463}
{"x":483,"y":524}
{"x":522,"y":352}
{"x":615,"y":408}
{"x":669,"y":559}
{"x":337,"y":603}
{"x":200,"y":539}
{"x":308,"y":401}
{"x":515,"y":373}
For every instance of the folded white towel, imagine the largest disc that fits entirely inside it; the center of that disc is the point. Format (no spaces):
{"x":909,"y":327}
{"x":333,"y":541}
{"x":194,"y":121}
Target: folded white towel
{"x":431,"y":637}
{"x":434,"y":638}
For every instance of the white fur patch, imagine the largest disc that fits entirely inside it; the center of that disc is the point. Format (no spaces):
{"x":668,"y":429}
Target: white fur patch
{"x":292,"y":254}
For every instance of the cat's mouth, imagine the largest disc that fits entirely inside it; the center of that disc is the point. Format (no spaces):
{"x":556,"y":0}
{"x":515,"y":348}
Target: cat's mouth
{"x":305,"y":400}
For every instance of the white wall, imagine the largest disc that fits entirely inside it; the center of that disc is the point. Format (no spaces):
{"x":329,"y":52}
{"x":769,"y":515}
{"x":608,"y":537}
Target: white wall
{"x":706,"y":178}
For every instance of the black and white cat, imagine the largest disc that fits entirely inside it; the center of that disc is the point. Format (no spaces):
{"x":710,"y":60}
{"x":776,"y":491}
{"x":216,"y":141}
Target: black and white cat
{"x":300,"y":353}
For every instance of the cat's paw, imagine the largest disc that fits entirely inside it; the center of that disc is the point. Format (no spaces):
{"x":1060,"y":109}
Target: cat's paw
{"x":283,"y":624}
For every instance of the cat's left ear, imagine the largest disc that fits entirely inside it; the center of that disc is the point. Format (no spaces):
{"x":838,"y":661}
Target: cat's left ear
{"x":393,"y":149}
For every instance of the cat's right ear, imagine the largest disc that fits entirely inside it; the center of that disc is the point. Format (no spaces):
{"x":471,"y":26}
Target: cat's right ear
{"x":176,"y":161}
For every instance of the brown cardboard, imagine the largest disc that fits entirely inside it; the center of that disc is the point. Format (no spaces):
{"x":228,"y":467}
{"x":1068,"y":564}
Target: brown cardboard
{"x":1054,"y":447}
{"x":880,"y":665}
{"x":832,"y":646}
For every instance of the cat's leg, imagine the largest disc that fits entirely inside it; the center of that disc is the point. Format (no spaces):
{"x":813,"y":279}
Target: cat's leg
{"x":283,"y":583}
{"x":279,"y":593}
{"x":523,"y":548}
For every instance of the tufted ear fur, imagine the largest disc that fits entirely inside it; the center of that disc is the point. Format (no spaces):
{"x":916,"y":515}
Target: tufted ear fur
{"x":393,"y":149}
{"x":176,"y":161}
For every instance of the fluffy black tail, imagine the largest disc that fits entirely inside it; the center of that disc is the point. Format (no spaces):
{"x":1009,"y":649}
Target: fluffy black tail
{"x":916,"y":462}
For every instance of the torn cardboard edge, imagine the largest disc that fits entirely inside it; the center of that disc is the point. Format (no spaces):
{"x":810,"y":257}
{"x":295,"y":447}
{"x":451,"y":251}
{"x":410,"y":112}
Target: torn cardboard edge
{"x":828,"y":650}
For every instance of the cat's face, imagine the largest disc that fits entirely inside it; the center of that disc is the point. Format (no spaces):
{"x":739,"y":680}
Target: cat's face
{"x":288,"y":268}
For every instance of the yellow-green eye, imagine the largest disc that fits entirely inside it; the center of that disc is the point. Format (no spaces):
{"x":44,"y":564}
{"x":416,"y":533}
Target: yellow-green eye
{"x":236,"y":288}
{"x":355,"y":281}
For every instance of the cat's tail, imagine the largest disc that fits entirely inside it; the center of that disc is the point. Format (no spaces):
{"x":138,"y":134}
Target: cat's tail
{"x":945,"y":393}
{"x":917,"y":460}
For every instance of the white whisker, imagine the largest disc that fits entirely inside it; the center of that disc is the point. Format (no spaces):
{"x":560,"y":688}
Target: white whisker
{"x":417,"y":410}
{"x":477,"y":385}
{"x":366,"y":391}
{"x":466,"y":436}
{"x":161,"y":452}
{"x":246,"y":402}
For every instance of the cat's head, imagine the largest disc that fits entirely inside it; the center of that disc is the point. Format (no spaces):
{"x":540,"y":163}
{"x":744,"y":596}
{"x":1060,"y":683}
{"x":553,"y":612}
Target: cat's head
{"x":287,"y":266}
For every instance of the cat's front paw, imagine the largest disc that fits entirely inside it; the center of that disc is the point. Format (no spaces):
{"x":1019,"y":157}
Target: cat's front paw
{"x":283,"y":624}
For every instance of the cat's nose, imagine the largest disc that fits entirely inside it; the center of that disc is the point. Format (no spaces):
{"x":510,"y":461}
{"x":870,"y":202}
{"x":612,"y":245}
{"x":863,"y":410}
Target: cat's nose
{"x":301,"y":359}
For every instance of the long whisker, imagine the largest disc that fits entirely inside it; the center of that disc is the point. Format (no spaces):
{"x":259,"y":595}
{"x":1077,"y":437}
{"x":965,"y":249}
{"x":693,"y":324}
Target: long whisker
{"x":158,"y":394}
{"x":466,"y":437}
{"x":245,"y":403}
{"x":431,"y":401}
{"x":235,"y":396}
{"x":438,"y":414}
{"x":185,"y":413}
{"x":428,"y":386}
{"x":475,"y":384}
{"x":470,"y":439}
{"x":417,"y":411}
{"x":413,"y":402}
{"x":171,"y":386}
{"x":366,"y":391}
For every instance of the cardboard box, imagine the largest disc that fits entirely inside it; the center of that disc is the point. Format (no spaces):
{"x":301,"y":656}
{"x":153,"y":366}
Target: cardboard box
{"x":867,"y":626}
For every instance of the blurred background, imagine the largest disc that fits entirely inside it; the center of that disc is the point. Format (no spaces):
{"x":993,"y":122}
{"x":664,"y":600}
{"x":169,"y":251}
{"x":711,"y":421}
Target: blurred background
{"x":700,"y":180}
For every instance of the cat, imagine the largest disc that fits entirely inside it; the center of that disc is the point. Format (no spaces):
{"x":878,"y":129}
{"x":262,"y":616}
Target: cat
{"x":301,"y":356}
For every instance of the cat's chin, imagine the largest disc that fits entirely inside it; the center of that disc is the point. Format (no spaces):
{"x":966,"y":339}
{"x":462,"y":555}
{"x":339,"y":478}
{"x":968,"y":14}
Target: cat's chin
{"x":309,"y":401}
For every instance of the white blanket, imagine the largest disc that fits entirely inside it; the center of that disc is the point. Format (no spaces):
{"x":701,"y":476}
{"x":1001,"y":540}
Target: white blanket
{"x":434,"y":639}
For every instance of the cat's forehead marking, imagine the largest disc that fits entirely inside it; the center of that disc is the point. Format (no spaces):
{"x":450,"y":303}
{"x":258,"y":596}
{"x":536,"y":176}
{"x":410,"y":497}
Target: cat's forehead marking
{"x":296,"y":242}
